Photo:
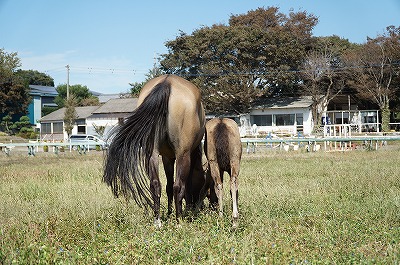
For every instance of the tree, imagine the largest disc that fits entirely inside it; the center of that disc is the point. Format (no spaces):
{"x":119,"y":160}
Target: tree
{"x":33,"y":77}
{"x":83,"y":96}
{"x":374,"y":70}
{"x":14,"y":95}
{"x":322,"y":78}
{"x":70,"y":114}
{"x":135,"y":88}
{"x":257,"y":54}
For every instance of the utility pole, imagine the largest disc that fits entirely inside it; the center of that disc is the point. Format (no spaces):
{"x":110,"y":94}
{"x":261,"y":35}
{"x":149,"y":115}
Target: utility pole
{"x":67,"y":80}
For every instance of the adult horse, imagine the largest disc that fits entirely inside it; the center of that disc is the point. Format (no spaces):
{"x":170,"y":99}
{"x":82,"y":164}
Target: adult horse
{"x":169,"y":121}
{"x":223,"y":149}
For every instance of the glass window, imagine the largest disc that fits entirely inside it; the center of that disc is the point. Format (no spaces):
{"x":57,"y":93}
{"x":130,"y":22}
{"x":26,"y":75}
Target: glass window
{"x":299,"y":118}
{"x":261,"y":120}
{"x":81,"y":129}
{"x":284,"y":119}
{"x":45,"y":127}
{"x":57,"y":127}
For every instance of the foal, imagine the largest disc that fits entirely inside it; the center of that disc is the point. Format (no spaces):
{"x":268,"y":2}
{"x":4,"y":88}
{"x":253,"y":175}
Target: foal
{"x":223,"y":149}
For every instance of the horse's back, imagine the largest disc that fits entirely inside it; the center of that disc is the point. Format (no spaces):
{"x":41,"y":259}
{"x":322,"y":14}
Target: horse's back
{"x":223,"y":142}
{"x":186,"y":118}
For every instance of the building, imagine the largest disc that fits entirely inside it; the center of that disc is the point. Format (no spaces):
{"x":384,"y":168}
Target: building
{"x":42,"y":97}
{"x":88,"y":119}
{"x":283,"y":116}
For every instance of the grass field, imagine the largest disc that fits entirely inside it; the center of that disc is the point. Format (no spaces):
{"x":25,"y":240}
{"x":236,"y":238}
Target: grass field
{"x":295,"y":208}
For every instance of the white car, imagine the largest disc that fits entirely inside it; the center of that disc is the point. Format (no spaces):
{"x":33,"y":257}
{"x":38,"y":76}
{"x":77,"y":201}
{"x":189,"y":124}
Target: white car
{"x":86,"y":141}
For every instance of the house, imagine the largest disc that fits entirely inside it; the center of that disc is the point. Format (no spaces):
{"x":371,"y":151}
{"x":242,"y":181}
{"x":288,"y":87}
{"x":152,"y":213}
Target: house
{"x":42,"y":97}
{"x":279,"y":116}
{"x":88,"y":119}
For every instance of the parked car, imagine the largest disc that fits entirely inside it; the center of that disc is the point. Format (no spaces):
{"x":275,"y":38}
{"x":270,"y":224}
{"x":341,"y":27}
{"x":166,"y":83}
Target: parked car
{"x":86,"y":141}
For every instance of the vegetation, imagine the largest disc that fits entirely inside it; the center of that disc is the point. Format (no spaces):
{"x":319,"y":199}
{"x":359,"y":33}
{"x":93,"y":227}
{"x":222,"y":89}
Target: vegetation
{"x":296,"y":207}
{"x":14,"y":97}
{"x":83,"y":96}
{"x":265,"y":53}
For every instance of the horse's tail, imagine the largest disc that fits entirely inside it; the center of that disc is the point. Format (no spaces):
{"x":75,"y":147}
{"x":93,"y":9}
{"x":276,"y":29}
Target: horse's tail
{"x":221,"y":139}
{"x":127,"y":163}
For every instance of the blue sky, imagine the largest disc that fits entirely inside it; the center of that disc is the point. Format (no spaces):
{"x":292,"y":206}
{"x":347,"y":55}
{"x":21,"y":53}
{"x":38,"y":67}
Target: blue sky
{"x":109,"y":44}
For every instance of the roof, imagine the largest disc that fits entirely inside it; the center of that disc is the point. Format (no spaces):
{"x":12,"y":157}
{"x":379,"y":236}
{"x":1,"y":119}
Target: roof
{"x":43,"y":90}
{"x":118,"y":105}
{"x":58,"y":115}
{"x":283,"y":103}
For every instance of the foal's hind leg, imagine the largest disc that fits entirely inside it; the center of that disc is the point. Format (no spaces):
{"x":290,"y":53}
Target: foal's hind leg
{"x":217,"y":175}
{"x":155,"y":188}
{"x":234,"y":194}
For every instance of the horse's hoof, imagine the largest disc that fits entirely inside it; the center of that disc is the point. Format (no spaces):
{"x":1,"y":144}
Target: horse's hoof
{"x":157,"y":223}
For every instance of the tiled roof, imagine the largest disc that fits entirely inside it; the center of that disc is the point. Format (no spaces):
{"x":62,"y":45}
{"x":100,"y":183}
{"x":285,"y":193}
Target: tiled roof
{"x":118,"y":105}
{"x":283,"y":103}
{"x":58,"y":115}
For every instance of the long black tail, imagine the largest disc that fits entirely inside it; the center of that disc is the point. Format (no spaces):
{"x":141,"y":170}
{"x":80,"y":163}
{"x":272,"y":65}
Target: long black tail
{"x":127,"y":167}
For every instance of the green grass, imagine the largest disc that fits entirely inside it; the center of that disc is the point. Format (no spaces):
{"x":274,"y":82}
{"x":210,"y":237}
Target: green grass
{"x":295,"y":208}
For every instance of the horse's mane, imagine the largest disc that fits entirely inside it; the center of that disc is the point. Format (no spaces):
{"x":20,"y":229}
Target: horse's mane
{"x":126,"y":167}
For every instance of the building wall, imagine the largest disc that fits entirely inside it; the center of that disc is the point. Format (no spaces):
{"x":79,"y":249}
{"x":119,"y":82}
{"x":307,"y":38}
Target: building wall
{"x":274,"y":128}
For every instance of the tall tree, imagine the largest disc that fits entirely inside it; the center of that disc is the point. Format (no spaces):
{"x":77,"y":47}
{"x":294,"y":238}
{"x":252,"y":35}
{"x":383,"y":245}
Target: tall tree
{"x":14,"y":95}
{"x":257,"y":54}
{"x":323,"y":78}
{"x":70,"y":114}
{"x":33,"y":77}
{"x":374,"y":69}
{"x":83,"y":96}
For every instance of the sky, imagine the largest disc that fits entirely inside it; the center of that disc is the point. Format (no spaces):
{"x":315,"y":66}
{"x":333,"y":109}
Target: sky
{"x":109,"y":44}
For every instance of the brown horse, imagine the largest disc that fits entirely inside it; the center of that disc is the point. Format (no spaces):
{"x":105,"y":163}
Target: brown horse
{"x":223,"y":149}
{"x":169,"y":121}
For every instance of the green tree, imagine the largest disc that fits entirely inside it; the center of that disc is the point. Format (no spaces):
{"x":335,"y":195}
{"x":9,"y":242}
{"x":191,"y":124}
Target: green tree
{"x":136,"y":88}
{"x":374,"y":69}
{"x":257,"y":54}
{"x":14,"y":95}
{"x":33,"y":77}
{"x":70,"y":114}
{"x":83,"y":96}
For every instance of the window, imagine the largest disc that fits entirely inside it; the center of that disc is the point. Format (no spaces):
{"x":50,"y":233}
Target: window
{"x":57,"y":127}
{"x":299,"y":118}
{"x":45,"y":127}
{"x":262,"y":120}
{"x":82,"y":129}
{"x":284,"y":119}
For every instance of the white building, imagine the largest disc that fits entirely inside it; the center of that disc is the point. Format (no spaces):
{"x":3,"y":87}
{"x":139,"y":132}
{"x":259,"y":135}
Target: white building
{"x":107,"y":115}
{"x":286,"y":116}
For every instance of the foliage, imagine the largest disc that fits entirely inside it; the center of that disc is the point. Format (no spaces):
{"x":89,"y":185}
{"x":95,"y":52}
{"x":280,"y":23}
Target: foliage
{"x":23,"y":128}
{"x":296,"y":208}
{"x":322,"y":78}
{"x":34,"y":77}
{"x":99,"y":129}
{"x":257,"y":54}
{"x":70,"y":114}
{"x":374,"y":70}
{"x":14,"y":95}
{"x":135,"y":88}
{"x":83,"y":96}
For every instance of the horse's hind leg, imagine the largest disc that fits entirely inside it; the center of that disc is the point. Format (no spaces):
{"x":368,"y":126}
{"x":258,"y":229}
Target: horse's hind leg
{"x":155,"y":188}
{"x":182,"y":173}
{"x":169,"y":173}
{"x":234,"y":194}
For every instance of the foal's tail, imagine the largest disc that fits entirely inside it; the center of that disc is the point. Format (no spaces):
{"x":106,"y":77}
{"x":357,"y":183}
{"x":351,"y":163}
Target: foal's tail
{"x":127,"y":166}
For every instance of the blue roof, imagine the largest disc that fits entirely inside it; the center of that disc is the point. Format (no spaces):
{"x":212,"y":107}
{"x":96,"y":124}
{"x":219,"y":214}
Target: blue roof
{"x":43,"y":90}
